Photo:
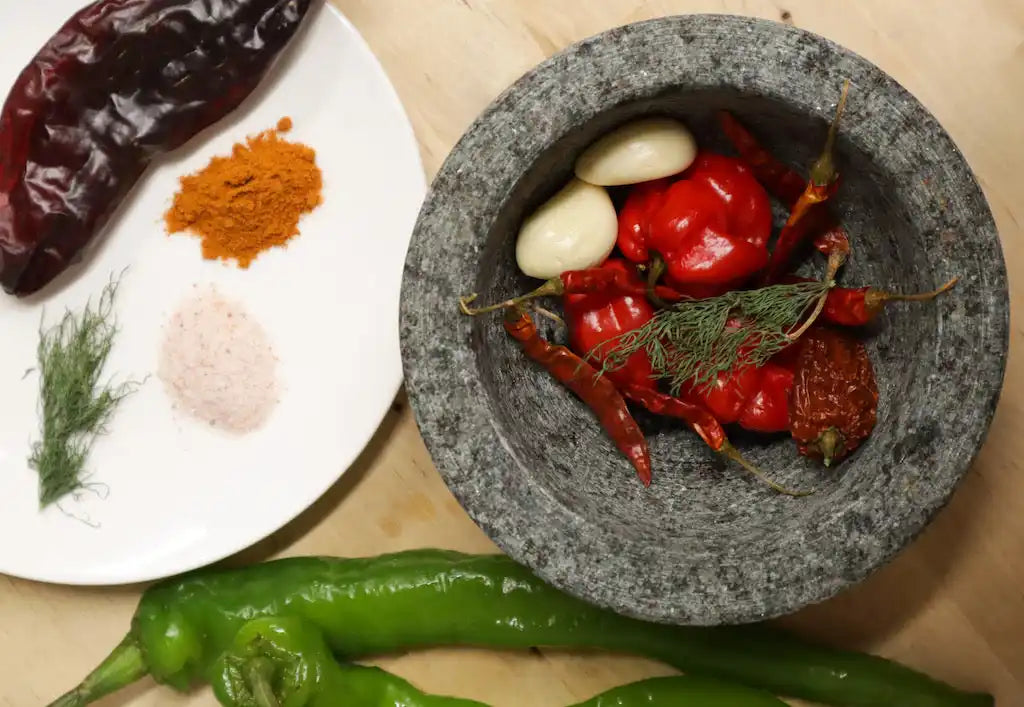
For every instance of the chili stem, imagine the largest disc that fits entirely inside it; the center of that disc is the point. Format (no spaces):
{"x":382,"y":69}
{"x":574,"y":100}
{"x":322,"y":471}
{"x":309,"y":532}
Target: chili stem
{"x":916,"y":297}
{"x":257,"y":674}
{"x":122,"y":667}
{"x":835,"y":261}
{"x":730,"y":452}
{"x":654,"y":274}
{"x":823,"y":173}
{"x":549,"y":314}
{"x":552,"y":287}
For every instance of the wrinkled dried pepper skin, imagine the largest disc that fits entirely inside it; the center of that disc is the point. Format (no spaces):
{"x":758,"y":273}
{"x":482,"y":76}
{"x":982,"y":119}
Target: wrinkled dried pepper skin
{"x":122,"y":82}
{"x":834,"y":389}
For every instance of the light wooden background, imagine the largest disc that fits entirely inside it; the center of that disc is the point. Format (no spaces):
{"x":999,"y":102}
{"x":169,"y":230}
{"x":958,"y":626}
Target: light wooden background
{"x":952,"y":604}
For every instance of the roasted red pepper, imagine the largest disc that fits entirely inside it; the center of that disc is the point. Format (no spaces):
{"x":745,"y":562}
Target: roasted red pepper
{"x":120,"y":83}
{"x":710,"y":227}
{"x":834,"y":405}
{"x":597,"y":391}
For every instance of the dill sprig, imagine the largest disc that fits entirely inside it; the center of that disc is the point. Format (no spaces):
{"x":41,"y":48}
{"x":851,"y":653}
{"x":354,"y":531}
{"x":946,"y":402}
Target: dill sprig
{"x":75,"y":406}
{"x":696,"y":340}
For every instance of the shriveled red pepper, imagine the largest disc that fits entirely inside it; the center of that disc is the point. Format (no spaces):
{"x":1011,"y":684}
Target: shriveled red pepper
{"x":122,"y":82}
{"x":597,"y":391}
{"x":834,"y":404}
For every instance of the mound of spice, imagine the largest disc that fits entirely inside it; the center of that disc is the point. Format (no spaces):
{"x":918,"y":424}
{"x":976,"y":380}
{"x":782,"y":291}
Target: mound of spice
{"x":217,"y":363}
{"x":251,"y":201}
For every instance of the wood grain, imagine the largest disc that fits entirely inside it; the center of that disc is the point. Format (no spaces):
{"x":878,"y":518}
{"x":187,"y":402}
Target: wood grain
{"x":952,"y":604}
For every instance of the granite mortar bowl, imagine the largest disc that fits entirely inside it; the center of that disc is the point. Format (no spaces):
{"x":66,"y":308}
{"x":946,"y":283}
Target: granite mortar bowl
{"x":705,"y":543}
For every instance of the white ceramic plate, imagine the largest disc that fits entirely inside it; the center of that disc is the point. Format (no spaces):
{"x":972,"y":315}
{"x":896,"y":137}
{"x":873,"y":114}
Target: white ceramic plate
{"x":179,"y":494}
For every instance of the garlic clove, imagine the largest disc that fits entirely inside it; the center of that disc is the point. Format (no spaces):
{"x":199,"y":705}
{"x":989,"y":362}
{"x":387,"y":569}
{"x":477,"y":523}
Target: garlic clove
{"x":639,"y":151}
{"x":574,"y":229}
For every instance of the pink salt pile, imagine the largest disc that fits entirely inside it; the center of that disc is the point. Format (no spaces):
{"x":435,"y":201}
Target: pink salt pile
{"x":217,"y":364}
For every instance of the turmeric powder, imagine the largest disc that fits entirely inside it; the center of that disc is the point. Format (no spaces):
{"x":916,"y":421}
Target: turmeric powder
{"x":241,"y":205}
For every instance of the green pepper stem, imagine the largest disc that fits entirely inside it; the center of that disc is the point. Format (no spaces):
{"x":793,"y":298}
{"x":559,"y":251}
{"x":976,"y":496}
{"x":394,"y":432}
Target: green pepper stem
{"x":654,"y":273}
{"x":122,"y":667}
{"x":257,"y":673}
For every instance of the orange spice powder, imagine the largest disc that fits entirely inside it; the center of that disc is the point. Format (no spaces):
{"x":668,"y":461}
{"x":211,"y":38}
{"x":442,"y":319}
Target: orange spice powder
{"x":241,"y":205}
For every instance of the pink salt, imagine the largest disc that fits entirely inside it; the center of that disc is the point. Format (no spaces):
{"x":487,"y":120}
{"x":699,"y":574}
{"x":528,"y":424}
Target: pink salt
{"x":217,"y":363}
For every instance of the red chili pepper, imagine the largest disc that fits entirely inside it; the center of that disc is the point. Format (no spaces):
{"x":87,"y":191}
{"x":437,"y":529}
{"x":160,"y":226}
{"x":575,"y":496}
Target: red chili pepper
{"x":755,"y":397}
{"x":613,"y":277}
{"x":635,"y":218}
{"x":807,"y":218}
{"x":857,"y":306}
{"x":122,"y":82}
{"x":594,"y":319}
{"x":597,"y":391}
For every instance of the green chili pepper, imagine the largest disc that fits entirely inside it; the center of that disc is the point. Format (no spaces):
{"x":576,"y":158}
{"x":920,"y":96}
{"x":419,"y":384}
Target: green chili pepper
{"x":285,"y":662}
{"x":421,"y":598}
{"x":683,"y":691}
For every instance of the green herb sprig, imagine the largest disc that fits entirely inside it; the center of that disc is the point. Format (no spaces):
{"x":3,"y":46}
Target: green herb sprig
{"x":693,"y":341}
{"x":75,"y":407}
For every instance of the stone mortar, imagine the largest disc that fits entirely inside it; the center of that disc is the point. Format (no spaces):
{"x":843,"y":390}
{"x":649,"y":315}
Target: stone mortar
{"x":705,"y":544}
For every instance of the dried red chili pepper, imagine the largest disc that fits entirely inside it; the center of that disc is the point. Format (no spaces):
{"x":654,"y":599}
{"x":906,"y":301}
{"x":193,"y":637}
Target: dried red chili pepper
{"x":120,"y":83}
{"x":834,"y":403}
{"x":597,"y":391}
{"x":613,"y":277}
{"x":821,"y":185}
{"x":789,"y":187}
{"x":857,"y":306}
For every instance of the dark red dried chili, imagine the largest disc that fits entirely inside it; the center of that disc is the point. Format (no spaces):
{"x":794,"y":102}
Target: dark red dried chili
{"x":597,"y":391}
{"x":834,"y":403}
{"x":120,"y":83}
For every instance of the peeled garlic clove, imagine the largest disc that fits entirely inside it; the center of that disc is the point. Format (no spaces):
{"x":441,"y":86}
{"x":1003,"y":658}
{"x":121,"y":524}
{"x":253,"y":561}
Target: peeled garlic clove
{"x":574,"y":229}
{"x":638,"y":152}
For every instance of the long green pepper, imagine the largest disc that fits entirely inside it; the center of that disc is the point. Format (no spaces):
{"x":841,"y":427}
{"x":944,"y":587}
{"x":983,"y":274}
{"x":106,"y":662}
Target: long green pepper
{"x":285,"y":662}
{"x":423,"y":598}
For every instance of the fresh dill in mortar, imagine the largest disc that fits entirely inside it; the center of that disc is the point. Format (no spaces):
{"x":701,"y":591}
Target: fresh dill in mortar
{"x":74,"y":405}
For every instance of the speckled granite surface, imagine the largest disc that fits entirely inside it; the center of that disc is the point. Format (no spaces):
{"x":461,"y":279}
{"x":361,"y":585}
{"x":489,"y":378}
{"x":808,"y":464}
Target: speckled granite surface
{"x":705,"y":543}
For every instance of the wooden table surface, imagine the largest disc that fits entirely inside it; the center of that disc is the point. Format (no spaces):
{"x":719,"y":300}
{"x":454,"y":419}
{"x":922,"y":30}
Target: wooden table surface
{"x":952,"y":604}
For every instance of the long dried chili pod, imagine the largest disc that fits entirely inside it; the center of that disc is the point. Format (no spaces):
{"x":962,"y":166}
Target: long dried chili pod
{"x":121,"y":82}
{"x":597,"y":391}
{"x":706,"y":426}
